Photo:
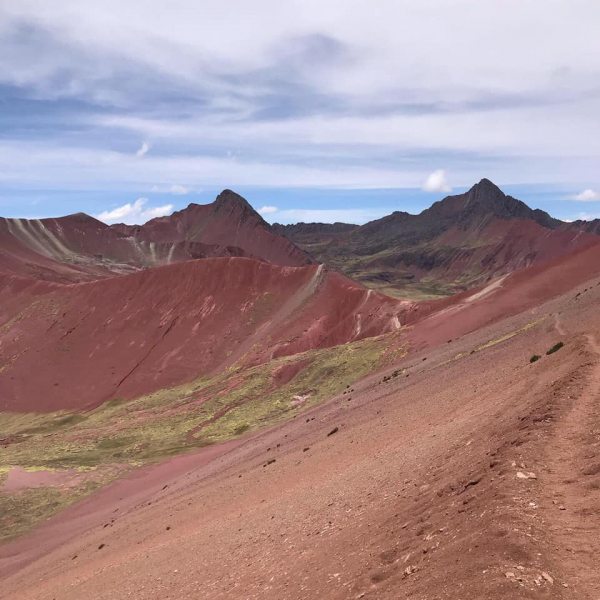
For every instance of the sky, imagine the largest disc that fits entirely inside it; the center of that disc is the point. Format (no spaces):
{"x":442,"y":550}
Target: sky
{"x":314,"y":111}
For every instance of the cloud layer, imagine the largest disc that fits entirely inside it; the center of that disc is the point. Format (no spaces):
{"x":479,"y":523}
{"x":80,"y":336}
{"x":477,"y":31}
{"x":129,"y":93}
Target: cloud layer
{"x":135,"y":213}
{"x":126,"y":96}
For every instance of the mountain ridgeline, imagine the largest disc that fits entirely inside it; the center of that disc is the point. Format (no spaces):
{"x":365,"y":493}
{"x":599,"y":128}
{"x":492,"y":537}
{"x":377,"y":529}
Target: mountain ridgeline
{"x":79,"y":248}
{"x":458,"y":243}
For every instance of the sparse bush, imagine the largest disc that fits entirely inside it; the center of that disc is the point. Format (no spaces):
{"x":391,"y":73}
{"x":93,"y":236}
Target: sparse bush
{"x":555,"y":348}
{"x":242,"y":429}
{"x":534,"y":358}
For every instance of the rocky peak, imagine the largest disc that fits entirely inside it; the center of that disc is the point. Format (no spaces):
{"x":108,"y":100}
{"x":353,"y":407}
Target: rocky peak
{"x":487,"y":199}
{"x":232,"y":203}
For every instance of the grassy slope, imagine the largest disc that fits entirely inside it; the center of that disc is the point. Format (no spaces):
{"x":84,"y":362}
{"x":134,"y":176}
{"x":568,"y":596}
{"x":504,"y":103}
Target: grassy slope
{"x":416,"y":280}
{"x":118,"y":436}
{"x":103,"y":444}
{"x":398,"y":282}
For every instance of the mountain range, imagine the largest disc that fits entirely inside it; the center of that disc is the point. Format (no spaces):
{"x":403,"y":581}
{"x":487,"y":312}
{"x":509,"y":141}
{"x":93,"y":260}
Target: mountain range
{"x":118,"y":302}
{"x":209,"y":406}
{"x":458,"y":243}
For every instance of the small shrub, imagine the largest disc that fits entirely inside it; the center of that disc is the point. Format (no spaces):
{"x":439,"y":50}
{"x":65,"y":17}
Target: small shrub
{"x":534,"y":358}
{"x":555,"y":348}
{"x":241,"y":429}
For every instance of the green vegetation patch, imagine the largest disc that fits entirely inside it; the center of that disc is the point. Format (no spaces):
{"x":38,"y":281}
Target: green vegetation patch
{"x":555,"y":348}
{"x":262,"y":306}
{"x":21,"y":511}
{"x":123,"y":434}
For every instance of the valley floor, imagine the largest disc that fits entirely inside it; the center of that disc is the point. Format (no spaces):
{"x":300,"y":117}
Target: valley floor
{"x":469,"y":473}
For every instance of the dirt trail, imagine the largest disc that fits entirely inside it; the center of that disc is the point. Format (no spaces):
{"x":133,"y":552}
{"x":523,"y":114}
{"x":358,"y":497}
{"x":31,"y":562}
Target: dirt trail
{"x":571,"y":486}
{"x":487,"y":290}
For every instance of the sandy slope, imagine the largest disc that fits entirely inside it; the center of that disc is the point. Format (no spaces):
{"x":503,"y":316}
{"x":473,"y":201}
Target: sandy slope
{"x":417,"y":495}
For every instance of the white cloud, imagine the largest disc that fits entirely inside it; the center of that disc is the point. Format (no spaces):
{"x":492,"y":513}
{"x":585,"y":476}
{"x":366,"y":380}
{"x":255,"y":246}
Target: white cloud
{"x":134,"y":214}
{"x":585,"y":216}
{"x":586,"y":196}
{"x":266,"y":210}
{"x":143,"y":150}
{"x":179,"y":190}
{"x":436,"y":182}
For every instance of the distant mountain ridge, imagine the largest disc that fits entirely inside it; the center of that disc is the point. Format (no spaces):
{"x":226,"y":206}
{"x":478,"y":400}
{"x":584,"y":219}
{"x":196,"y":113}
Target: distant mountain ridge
{"x":457,"y":243}
{"x":229,"y":221}
{"x":81,"y":248}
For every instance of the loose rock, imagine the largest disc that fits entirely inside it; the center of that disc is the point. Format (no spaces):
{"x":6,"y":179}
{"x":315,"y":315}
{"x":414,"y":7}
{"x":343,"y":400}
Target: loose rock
{"x":526,"y":475}
{"x":547,"y":577}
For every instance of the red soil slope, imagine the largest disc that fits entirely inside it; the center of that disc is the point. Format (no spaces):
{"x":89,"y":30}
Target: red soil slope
{"x":499,"y":246}
{"x":438,"y":321}
{"x":130,"y":335}
{"x":473,"y":478}
{"x":51,"y":249}
{"x":75,"y":346}
{"x":80,"y":248}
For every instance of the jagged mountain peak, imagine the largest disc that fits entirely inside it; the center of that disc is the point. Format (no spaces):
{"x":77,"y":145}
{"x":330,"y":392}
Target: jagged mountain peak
{"x":485,"y":198}
{"x":237,"y":207}
{"x":228,"y":196}
{"x":485,"y":183}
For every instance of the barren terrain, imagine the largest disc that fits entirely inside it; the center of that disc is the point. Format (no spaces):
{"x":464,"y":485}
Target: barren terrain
{"x":253,"y":424}
{"x":463,"y":472}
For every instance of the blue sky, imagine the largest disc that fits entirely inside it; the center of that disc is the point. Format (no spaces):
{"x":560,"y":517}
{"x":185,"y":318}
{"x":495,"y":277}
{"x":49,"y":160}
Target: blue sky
{"x":293,"y":204}
{"x":324,"y":111}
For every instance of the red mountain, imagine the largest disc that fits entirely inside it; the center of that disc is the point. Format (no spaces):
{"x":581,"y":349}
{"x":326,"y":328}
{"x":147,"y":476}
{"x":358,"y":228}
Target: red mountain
{"x":228,"y":222}
{"x":81,"y":248}
{"x":74,"y":346}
